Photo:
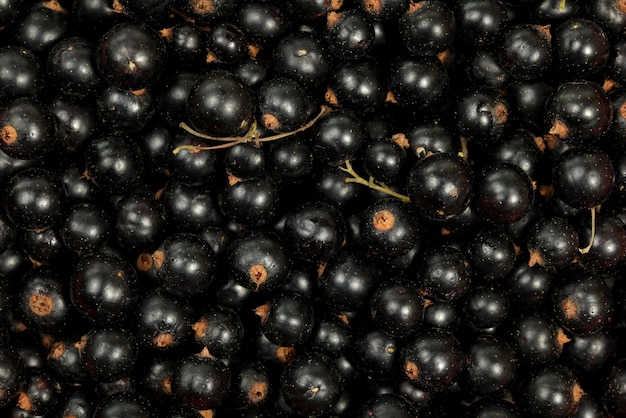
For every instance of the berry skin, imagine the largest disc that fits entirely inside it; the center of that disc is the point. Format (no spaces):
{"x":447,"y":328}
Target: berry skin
{"x":432,"y":360}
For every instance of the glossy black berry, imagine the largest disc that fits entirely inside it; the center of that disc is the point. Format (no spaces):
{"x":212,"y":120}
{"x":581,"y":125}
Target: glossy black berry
{"x":432,"y":360}
{"x":349,"y":35}
{"x":20,"y":73}
{"x":440,"y":186}
{"x":482,"y":116}
{"x":552,"y":392}
{"x":92,"y":283}
{"x":311,"y":384}
{"x":258,"y":261}
{"x":443,"y":272}
{"x":582,"y":305}
{"x":72,"y":68}
{"x":219,"y":330}
{"x":287,"y":319}
{"x":526,"y":52}
{"x":201,"y":382}
{"x":583,"y":178}
{"x":86,"y":228}
{"x":388,"y":227}
{"x":219,"y":104}
{"x":34,"y":199}
{"x":226,"y":43}
{"x":503,"y":194}
{"x":481,"y":22}
{"x":347,"y":280}
{"x":537,"y":339}
{"x":315,"y":231}
{"x":397,"y":308}
{"x":418,"y":83}
{"x":140,"y":222}
{"x":113,"y":163}
{"x":108,"y":354}
{"x":281,"y":104}
{"x":129,"y":403}
{"x":427,"y":28}
{"x":162,"y":321}
{"x":251,"y":202}
{"x":553,"y":243}
{"x":43,"y":300}
{"x":130,"y":56}
{"x":185,"y":264}
{"x":491,"y":366}
{"x":581,"y":47}
{"x":26,"y":129}
{"x":578,"y":112}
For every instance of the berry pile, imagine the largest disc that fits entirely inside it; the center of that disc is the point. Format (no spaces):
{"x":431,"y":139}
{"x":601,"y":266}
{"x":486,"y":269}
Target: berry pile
{"x":313,"y":208}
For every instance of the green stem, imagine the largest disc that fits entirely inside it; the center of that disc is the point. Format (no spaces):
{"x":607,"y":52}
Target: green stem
{"x":371,"y":183}
{"x":593,"y":232}
{"x":250,"y":136}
